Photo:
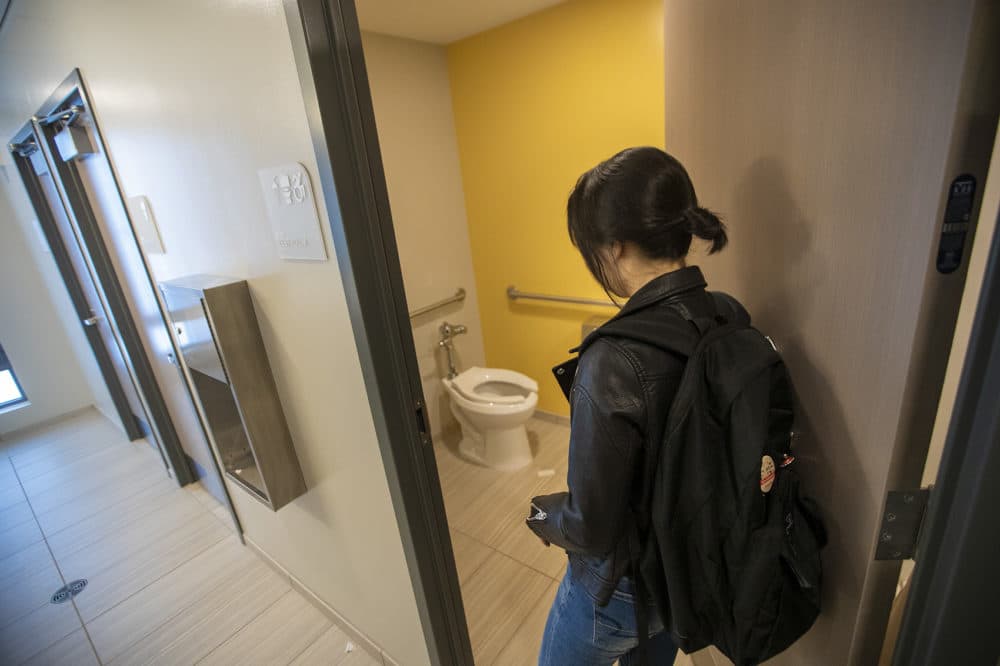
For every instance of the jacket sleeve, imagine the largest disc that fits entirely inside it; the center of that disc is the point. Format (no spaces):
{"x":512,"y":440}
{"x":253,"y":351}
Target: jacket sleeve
{"x":606,"y":439}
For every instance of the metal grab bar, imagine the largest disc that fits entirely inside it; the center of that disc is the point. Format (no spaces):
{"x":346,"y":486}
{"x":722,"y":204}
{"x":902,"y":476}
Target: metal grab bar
{"x":513,"y":293}
{"x":457,"y":298}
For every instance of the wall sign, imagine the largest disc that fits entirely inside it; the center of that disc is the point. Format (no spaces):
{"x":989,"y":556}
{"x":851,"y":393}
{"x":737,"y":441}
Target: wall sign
{"x":957,"y":214}
{"x":292,"y":211}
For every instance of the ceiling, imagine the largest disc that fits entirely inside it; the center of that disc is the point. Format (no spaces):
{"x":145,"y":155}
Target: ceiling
{"x":442,"y":21}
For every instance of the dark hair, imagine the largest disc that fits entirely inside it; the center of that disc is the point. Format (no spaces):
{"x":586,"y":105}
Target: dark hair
{"x":643,"y":196}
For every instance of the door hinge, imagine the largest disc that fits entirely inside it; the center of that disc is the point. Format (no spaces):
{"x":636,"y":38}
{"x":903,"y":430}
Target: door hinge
{"x":902,"y":519}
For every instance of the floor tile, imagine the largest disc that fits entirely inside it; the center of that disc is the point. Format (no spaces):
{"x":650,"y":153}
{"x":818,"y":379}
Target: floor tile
{"x":8,"y":479}
{"x":11,"y":496}
{"x":105,"y":498}
{"x":127,"y":542}
{"x":523,"y":645}
{"x":74,"y":650}
{"x":15,"y":514}
{"x":209,"y":621}
{"x":330,"y":649}
{"x":58,"y":471}
{"x":131,"y":620}
{"x":37,"y":631}
{"x":117,"y":472}
{"x":497,"y":598}
{"x":276,"y":636}
{"x":99,"y":526}
{"x":111,"y":586}
{"x":24,"y":563}
{"x":19,"y":537}
{"x":29,"y":591}
{"x":469,"y":554}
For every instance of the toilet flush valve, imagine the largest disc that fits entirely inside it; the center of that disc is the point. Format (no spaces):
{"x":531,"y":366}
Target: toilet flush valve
{"x":448,"y":332}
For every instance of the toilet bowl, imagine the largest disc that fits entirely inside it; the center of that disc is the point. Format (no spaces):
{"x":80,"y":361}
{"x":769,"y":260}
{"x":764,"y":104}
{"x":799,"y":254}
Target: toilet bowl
{"x":492,"y":406}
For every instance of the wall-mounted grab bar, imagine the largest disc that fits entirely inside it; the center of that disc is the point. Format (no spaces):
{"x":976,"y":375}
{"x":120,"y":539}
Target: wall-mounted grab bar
{"x":457,"y":298}
{"x":513,"y":293}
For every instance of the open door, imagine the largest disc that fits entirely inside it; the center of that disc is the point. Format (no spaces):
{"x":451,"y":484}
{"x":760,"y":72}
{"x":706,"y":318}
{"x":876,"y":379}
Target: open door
{"x":78,"y":278}
{"x":841,"y":149}
{"x":64,"y":164}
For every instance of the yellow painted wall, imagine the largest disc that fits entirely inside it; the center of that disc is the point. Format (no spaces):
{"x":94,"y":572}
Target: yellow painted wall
{"x":537,"y":102}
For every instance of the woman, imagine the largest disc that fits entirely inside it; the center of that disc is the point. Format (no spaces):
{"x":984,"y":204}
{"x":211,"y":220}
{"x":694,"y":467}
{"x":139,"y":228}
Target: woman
{"x":632,"y":218}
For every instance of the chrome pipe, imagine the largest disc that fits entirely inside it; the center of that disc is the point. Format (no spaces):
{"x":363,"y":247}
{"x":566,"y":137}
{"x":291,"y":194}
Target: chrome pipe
{"x":457,"y":298}
{"x":513,"y":293}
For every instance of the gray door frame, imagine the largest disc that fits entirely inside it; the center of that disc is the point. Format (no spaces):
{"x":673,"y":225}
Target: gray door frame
{"x":326,"y":41}
{"x":948,"y":618}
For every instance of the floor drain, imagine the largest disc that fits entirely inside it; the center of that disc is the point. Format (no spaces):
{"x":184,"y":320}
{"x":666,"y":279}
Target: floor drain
{"x":68,"y":591}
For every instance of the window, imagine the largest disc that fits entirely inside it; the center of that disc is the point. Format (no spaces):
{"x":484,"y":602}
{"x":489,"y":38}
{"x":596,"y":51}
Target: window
{"x":10,"y":388}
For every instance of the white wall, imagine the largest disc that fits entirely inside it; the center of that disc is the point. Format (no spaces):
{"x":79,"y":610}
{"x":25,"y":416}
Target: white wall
{"x":193,"y":98}
{"x":38,"y":327}
{"x":416,"y":131}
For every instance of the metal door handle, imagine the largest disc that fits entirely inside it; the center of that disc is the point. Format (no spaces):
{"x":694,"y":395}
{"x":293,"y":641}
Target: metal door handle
{"x":92,"y":321}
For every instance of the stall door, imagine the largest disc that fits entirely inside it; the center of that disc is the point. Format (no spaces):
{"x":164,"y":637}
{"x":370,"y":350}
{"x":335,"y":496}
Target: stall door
{"x":838,"y":140}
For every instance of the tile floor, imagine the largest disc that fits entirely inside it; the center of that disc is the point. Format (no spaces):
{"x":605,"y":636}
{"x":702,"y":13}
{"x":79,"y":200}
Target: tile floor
{"x":508,"y":577}
{"x":168,"y":580}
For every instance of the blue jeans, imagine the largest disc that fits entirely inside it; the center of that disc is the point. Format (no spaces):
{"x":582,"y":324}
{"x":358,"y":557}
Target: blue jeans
{"x":581,"y":633}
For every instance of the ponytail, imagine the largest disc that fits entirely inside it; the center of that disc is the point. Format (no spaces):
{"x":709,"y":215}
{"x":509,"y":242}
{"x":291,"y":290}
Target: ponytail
{"x":703,"y":223}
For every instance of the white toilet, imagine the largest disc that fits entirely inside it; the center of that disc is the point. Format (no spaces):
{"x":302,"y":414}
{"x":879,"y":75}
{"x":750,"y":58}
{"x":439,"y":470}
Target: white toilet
{"x":492,"y":407}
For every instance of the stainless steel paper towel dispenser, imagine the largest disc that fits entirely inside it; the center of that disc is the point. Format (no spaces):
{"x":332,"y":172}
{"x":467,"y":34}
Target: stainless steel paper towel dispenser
{"x":222,"y":348}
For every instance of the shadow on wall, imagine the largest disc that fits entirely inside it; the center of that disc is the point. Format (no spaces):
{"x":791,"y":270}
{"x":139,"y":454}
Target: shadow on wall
{"x":780,"y":273}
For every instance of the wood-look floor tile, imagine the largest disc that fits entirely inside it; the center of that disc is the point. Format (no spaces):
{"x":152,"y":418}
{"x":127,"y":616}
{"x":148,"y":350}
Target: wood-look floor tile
{"x":117,"y":472}
{"x":83,"y":507}
{"x":14,"y":515}
{"x":469,"y":554}
{"x":29,"y":591}
{"x":523,"y":645}
{"x":56,"y":473}
{"x":24,"y":563}
{"x":198,"y":491}
{"x":19,"y":537}
{"x":101,"y":525}
{"x":128,"y":541}
{"x":497,"y":598}
{"x":520,"y":543}
{"x":74,"y":650}
{"x":222,"y":513}
{"x":683,"y":659}
{"x":64,"y":457}
{"x":86,"y":433}
{"x":132,"y":619}
{"x":330,"y":649}
{"x":37,"y":631}
{"x":11,"y":496}
{"x":209,"y":621}
{"x":8,"y":479}
{"x":276,"y":636}
{"x":111,"y":586}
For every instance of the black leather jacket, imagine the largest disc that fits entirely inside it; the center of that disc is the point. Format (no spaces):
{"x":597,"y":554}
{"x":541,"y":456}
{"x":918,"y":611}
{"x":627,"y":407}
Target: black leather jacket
{"x":619,"y":399}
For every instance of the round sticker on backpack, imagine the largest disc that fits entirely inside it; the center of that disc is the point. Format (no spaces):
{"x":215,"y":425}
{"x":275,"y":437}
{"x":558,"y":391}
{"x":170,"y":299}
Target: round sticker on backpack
{"x":766,"y":474}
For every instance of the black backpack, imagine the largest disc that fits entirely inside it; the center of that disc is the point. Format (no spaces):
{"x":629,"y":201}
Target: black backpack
{"x":729,"y":548}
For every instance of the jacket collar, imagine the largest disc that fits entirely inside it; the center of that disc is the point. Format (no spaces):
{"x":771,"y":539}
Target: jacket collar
{"x":667,"y":286}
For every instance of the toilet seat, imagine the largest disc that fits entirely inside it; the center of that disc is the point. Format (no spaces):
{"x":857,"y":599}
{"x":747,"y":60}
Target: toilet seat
{"x":473,"y":385}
